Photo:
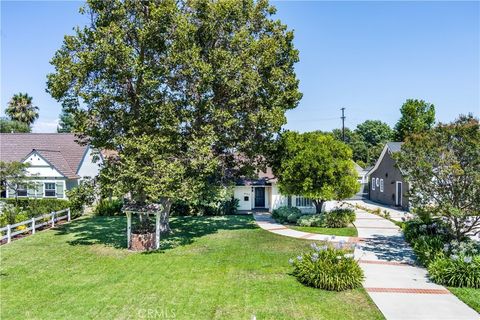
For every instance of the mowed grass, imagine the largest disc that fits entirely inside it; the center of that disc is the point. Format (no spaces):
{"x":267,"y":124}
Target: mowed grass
{"x":470,"y":296}
{"x":210,"y":268}
{"x":347,"y":232}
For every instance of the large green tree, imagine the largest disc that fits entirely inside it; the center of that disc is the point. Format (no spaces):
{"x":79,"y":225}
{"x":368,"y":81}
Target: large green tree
{"x":66,"y":121}
{"x":374,"y":132}
{"x":20,"y":108}
{"x":11,"y":126}
{"x":187,"y":92}
{"x":417,"y":116}
{"x":314,"y":165}
{"x":442,"y":168}
{"x":360,"y":151}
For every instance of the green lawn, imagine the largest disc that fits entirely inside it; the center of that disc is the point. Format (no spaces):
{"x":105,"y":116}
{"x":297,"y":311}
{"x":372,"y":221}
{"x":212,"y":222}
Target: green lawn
{"x":348,"y":232}
{"x":210,"y":268}
{"x":468,"y":295}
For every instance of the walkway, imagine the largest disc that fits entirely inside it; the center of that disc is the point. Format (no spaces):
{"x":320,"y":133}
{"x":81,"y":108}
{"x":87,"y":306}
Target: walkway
{"x":266,"y":222}
{"x":399,"y":287}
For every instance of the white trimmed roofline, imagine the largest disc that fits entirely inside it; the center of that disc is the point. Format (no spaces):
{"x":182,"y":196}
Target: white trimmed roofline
{"x":43,"y":158}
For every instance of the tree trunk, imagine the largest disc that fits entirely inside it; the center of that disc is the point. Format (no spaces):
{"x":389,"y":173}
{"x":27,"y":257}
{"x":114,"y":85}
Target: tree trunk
{"x":318,"y":205}
{"x":164,"y":215}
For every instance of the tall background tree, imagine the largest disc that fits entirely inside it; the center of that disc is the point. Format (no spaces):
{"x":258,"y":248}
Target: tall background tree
{"x":366,"y":141}
{"x":442,"y":168}
{"x":205,"y":85}
{"x":417,"y":116}
{"x":314,"y":165}
{"x":10,"y":126}
{"x":20,"y":108}
{"x":66,"y":121}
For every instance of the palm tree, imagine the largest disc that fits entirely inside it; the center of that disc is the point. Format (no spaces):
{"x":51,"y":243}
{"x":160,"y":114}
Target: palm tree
{"x":20,"y":108}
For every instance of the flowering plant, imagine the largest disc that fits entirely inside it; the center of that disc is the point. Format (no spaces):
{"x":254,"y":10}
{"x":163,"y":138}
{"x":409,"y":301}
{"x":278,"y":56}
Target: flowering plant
{"x":329,"y":267}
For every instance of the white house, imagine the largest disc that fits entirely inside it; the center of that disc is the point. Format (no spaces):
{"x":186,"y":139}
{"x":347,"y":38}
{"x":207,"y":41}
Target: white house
{"x":262,"y":194}
{"x":57,"y":162}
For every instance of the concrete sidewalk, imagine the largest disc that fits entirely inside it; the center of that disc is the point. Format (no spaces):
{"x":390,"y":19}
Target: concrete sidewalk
{"x":400,"y":288}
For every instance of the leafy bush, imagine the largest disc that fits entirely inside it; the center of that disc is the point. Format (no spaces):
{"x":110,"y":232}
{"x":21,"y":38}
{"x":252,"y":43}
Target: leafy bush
{"x":81,"y":196}
{"x":106,"y":207}
{"x":456,"y":271}
{"x":327,"y":268}
{"x":339,"y":218}
{"x":450,"y":262}
{"x":286,"y":214}
{"x":28,"y":208}
{"x":427,"y":248}
{"x":222,"y":207}
{"x":310,"y":220}
{"x":415,"y":228}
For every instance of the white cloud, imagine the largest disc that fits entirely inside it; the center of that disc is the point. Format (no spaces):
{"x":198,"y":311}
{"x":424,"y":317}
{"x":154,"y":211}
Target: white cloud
{"x":45,"y":126}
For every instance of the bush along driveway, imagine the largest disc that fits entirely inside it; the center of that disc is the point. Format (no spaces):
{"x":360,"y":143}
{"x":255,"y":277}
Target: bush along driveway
{"x":399,"y":287}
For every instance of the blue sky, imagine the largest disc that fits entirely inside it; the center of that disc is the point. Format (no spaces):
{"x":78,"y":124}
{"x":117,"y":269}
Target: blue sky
{"x":368,"y":57}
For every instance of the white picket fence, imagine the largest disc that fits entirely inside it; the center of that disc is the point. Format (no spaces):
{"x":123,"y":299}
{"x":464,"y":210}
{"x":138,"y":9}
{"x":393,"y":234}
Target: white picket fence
{"x":49,"y":219}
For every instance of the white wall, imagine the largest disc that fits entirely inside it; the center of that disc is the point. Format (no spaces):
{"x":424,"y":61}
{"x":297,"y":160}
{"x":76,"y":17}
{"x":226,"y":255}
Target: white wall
{"x":240,"y":192}
{"x":40,"y":168}
{"x":277,"y":199}
{"x":89,"y":168}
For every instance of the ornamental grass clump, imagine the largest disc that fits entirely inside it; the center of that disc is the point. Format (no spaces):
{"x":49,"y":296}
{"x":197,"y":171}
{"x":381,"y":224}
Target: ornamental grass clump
{"x":328,"y":267}
{"x":456,"y":271}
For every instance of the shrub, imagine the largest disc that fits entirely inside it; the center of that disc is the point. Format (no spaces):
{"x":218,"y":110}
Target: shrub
{"x":29,"y":208}
{"x":339,"y":218}
{"x":310,"y":220}
{"x":327,"y":268}
{"x":427,"y":248}
{"x":456,"y":271}
{"x":221,"y":207}
{"x":286,"y":214}
{"x":415,"y":228}
{"x":81,"y":196}
{"x":106,"y":207}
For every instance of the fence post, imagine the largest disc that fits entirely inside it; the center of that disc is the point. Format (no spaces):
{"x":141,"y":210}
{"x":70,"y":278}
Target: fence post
{"x":69,"y":217}
{"x":9,"y":234}
{"x":33,"y":225}
{"x":53,"y":219}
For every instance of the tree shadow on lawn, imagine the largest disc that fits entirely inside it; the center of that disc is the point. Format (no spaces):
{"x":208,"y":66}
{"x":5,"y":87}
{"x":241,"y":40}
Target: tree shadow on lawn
{"x":112,"y":231}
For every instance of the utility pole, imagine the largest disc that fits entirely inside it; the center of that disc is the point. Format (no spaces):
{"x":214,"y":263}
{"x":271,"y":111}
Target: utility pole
{"x":343,"y":124}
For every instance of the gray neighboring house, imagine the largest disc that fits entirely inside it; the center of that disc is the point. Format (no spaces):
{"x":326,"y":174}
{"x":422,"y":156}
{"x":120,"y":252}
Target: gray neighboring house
{"x":387,"y":185}
{"x":57,"y":162}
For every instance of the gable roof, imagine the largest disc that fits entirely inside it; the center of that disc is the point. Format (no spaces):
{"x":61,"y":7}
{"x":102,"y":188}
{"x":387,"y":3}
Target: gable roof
{"x":59,"y":149}
{"x":391,"y":147}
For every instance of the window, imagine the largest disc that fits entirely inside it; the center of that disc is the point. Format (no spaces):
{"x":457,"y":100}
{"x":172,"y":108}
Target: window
{"x":377,"y":182}
{"x":373,"y":183}
{"x":381,"y":185}
{"x":50,"y":189}
{"x":21,"y":190}
{"x":302,"y":202}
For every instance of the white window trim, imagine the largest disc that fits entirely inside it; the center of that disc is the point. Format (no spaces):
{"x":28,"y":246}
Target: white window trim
{"x":377,"y":182}
{"x":373,"y":184}
{"x":44,"y":189}
{"x":381,"y":185}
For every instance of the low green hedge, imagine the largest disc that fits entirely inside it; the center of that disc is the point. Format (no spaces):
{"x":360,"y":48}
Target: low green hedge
{"x":339,"y":218}
{"x":286,"y":214}
{"x":36,"y":207}
{"x":28,"y":208}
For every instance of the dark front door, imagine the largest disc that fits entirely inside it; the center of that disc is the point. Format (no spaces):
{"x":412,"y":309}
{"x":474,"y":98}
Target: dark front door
{"x":259,"y":197}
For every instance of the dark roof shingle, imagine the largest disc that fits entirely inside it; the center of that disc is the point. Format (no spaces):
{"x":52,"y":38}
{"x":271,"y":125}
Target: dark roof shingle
{"x":60,"y":149}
